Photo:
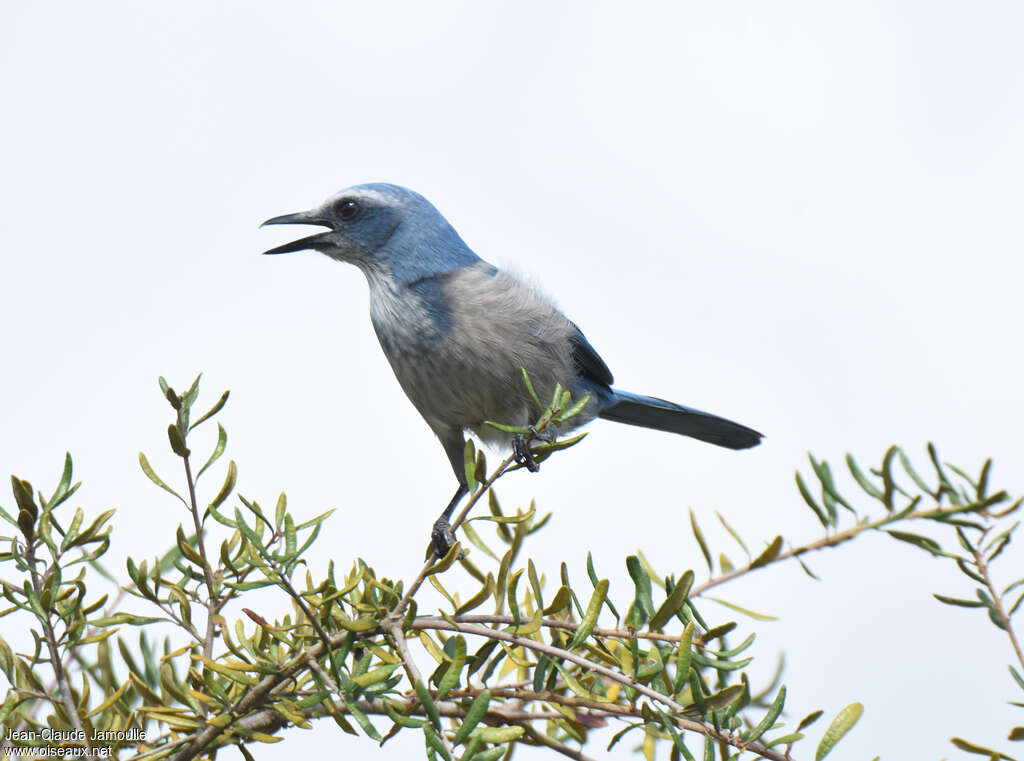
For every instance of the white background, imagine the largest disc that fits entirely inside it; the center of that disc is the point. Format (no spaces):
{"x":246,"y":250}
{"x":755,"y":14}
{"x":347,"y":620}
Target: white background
{"x":804,"y":216}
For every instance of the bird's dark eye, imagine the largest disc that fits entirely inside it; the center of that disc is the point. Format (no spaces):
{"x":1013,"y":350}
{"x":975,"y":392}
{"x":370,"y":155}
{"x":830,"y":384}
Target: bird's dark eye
{"x":348,"y":210}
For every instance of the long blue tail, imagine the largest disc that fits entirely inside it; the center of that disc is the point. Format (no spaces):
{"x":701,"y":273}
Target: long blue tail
{"x":648,"y":412}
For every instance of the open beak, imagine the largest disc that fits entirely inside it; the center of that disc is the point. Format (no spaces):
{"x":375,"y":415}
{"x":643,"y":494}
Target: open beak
{"x":310,"y":241}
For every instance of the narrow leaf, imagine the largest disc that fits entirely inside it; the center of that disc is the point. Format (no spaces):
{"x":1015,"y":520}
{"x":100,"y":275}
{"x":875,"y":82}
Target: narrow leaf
{"x":841,"y":724}
{"x":700,"y":540}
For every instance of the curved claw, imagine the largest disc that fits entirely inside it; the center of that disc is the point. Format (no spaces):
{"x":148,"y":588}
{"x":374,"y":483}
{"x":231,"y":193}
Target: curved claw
{"x":522,"y":454}
{"x":441,"y":537}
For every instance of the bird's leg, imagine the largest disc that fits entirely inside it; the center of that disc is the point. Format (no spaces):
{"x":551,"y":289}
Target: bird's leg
{"x":523,"y":455}
{"x":441,"y":535}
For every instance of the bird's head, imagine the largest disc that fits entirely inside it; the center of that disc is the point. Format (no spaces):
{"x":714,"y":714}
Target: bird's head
{"x":381,"y":225}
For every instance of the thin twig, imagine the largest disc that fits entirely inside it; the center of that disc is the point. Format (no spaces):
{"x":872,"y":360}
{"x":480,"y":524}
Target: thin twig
{"x":823,"y":543}
{"x":556,"y":623}
{"x":67,"y":700}
{"x":211,"y":602}
{"x":997,"y":602}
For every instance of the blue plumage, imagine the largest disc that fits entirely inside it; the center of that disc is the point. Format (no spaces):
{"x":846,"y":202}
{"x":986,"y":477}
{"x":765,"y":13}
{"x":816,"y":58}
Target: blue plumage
{"x":456,"y":330}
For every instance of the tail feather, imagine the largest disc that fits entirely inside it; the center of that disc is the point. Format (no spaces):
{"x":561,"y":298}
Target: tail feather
{"x":648,"y":412}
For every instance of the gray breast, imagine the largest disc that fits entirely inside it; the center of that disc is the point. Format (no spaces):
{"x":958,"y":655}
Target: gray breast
{"x":457,"y":348}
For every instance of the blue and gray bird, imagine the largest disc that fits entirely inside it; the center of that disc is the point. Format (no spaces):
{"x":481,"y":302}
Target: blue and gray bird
{"x":457,"y":330}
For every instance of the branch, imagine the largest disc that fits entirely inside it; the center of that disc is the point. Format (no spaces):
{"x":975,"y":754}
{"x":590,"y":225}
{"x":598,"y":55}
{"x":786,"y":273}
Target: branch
{"x":211,"y":603}
{"x":997,"y":602}
{"x":541,"y":647}
{"x":824,"y":543}
{"x":555,"y":623}
{"x":67,"y":700}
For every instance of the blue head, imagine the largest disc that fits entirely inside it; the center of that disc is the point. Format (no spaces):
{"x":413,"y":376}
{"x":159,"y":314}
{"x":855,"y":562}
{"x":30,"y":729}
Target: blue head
{"x":382,"y":227}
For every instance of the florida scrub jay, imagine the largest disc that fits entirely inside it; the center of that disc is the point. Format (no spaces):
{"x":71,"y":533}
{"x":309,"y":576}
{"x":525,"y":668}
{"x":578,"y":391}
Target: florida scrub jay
{"x":457,"y":330}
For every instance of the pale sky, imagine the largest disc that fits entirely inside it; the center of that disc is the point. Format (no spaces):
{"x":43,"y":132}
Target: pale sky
{"x":803,"y":216}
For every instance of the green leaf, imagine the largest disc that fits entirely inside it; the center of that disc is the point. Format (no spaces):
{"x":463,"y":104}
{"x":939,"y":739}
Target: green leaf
{"x":218,"y":450}
{"x":72,"y":532}
{"x":841,"y":724}
{"x":169,"y":394}
{"x":927,"y":544}
{"x":91,"y":533}
{"x":768,"y":721}
{"x":905,"y":462}
{"x":469,"y":465}
{"x":27,"y":510}
{"x":64,"y":488}
{"x":575,"y":409}
{"x":725,"y":697}
{"x":442,"y":565}
{"x":189,"y":397}
{"x":642,"y":583}
{"x":403,"y":721}
{"x":429,"y":707}
{"x":958,"y":602}
{"x":531,"y":573}
{"x":1017,"y":677}
{"x":734,"y":535}
{"x":720,"y":631}
{"x":590,"y":617}
{"x":478,"y":599}
{"x":474,"y":538}
{"x":248,"y":532}
{"x":497,"y":752}
{"x":314,"y":521}
{"x":213,"y":411}
{"x":124,"y":618}
{"x":718,"y":664}
{"x":557,"y":399}
{"x":824,"y":474}
{"x":290,"y":542}
{"x":561,"y":600}
{"x":512,"y":596}
{"x":962,"y":565}
{"x":507,"y":428}
{"x":530,"y":391}
{"x":744,"y":611}
{"x":684,"y":651}
{"x":545,"y":447}
{"x":572,"y":682}
{"x":980,"y":750}
{"x":451,"y":675}
{"x":177,"y":441}
{"x":806,"y":494}
{"x":807,"y":570}
{"x":771,"y":552}
{"x":677,"y":741}
{"x":673,"y":602}
{"x":230,"y":479}
{"x":809,"y":719}
{"x":477,"y":710}
{"x":152,"y":476}
{"x":861,"y":479}
{"x":701,"y":541}
{"x":1013,"y":608}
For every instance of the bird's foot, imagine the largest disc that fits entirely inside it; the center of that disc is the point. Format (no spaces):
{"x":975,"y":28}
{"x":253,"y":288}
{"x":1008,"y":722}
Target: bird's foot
{"x":522,"y":454}
{"x":547,"y":435}
{"x":441,"y":537}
